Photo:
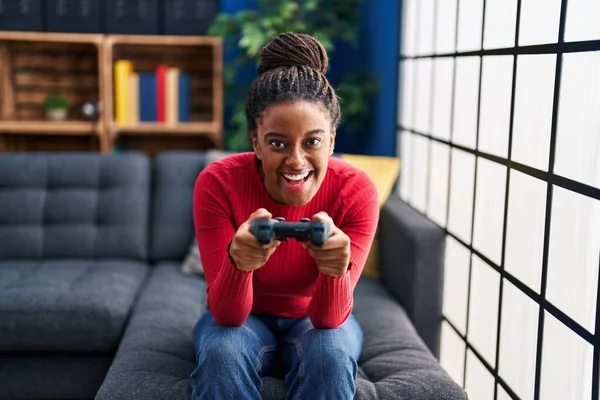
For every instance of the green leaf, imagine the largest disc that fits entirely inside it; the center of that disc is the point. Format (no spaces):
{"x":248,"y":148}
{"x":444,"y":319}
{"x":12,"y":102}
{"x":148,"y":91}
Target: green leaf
{"x":310,"y":5}
{"x":252,"y":40}
{"x":326,"y":42}
{"x":288,"y":9}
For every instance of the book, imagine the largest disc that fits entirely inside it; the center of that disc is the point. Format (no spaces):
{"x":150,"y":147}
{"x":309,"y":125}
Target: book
{"x":172,"y":96}
{"x":138,"y":17}
{"x":83,"y":16}
{"x":188,"y":17}
{"x":21,"y":15}
{"x":147,"y":97}
{"x":184,"y":97}
{"x":161,"y":71}
{"x":134,"y":98}
{"x":122,"y":69}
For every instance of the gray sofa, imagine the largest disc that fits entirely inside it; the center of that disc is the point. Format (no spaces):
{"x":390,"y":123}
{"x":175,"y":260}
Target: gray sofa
{"x":93,"y":303}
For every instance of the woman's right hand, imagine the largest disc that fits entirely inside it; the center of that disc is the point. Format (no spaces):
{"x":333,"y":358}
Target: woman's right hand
{"x":247,"y":253}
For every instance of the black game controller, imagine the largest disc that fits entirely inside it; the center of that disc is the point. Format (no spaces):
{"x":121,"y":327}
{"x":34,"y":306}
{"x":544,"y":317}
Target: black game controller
{"x":266,"y":230}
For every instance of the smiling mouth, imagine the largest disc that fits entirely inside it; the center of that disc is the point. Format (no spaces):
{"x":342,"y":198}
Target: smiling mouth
{"x":297,"y":178}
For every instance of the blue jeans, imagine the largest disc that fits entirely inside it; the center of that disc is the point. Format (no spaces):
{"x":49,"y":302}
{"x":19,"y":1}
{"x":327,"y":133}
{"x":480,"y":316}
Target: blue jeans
{"x":315,"y":363}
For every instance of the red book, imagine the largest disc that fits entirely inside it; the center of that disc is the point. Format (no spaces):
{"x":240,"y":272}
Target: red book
{"x":160,"y":92}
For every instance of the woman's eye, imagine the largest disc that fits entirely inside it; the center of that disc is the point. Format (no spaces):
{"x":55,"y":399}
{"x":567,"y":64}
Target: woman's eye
{"x":313,"y":141}
{"x":278,"y":144}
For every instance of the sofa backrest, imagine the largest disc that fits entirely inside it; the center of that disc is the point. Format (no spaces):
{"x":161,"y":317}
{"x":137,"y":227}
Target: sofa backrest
{"x":74,"y":205}
{"x":174,"y":174}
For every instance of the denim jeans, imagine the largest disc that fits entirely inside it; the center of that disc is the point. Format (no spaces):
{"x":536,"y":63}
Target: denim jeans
{"x":315,"y":363}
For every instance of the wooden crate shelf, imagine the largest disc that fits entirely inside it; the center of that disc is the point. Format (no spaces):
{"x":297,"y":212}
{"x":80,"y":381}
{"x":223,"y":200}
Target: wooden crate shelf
{"x":80,"y":128}
{"x":34,"y":65}
{"x":200,"y":57}
{"x":80,"y":68}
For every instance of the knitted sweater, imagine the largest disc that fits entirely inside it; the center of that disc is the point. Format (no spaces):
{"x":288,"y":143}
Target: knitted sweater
{"x":289,"y":284}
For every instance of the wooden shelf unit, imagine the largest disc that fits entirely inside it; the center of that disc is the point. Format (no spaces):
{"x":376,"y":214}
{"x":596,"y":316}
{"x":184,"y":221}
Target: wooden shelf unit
{"x":80,"y":68}
{"x":200,"y":56}
{"x":34,"y":65}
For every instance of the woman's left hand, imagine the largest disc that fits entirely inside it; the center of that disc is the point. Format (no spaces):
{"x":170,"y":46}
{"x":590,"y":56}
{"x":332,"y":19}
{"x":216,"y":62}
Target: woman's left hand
{"x":333,"y":257}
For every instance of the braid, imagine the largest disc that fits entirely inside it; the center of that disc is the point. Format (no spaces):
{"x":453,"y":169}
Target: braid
{"x":292,"y":68}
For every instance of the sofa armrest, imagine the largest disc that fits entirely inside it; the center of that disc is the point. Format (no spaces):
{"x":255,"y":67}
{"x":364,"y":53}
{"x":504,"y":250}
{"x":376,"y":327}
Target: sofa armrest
{"x":412,"y":266}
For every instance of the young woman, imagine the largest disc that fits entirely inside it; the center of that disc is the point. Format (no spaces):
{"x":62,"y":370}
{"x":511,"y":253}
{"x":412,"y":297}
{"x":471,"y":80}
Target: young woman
{"x":285,"y":306}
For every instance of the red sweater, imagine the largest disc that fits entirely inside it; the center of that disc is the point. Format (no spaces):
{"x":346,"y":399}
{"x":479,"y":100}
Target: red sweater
{"x":289,"y":284}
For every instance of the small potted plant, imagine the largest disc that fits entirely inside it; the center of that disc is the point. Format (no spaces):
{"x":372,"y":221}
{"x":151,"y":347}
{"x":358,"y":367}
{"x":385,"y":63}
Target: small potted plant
{"x":56,"y":108}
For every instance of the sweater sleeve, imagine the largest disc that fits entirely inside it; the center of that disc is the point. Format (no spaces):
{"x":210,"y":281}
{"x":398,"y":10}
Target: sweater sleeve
{"x":333,"y":299}
{"x":229,"y":290}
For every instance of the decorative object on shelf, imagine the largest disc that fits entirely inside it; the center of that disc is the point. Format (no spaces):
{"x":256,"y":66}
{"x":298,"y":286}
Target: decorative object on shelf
{"x":90,"y":111}
{"x":56,"y":108}
{"x":332,"y":21}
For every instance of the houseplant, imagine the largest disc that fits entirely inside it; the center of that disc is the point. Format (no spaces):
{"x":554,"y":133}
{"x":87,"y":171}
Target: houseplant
{"x":56,"y":107}
{"x":247,"y":31}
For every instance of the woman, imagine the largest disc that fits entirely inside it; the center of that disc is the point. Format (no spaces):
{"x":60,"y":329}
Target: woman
{"x":285,"y":306}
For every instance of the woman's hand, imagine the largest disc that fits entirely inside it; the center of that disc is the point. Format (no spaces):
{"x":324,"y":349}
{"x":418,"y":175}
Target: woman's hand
{"x":247,"y":253}
{"x":333,"y":257}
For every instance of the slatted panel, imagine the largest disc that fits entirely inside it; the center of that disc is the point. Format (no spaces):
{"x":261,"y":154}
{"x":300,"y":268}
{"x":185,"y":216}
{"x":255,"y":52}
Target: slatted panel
{"x":40,"y":69}
{"x":195,"y":60}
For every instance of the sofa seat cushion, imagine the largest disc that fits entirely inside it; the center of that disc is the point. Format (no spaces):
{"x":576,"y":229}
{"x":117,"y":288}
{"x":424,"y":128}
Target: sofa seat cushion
{"x":52,"y":375}
{"x":66,"y":305}
{"x":395,"y":359}
{"x":156,"y":356}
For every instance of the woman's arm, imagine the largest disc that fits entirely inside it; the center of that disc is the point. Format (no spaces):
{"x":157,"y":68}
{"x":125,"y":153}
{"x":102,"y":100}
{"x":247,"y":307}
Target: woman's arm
{"x":229,"y":290}
{"x":332,"y":301}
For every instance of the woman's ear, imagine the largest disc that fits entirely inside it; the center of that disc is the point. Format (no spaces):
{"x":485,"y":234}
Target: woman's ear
{"x":254,"y":139}
{"x":332,"y":142}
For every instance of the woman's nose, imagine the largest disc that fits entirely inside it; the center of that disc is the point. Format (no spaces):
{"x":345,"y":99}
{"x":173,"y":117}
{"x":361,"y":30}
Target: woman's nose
{"x":296,"y":159}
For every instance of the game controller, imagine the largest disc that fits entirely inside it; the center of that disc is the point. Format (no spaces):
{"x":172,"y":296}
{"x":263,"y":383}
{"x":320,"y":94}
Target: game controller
{"x":266,"y":230}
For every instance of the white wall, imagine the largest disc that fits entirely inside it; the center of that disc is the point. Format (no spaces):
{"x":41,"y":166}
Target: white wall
{"x":506,"y":158}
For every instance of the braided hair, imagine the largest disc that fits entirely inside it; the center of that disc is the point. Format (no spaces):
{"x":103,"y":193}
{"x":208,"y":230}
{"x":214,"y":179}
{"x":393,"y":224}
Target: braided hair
{"x":292,"y":68}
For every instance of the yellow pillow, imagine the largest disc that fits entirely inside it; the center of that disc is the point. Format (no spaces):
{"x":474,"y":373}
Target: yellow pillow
{"x":383,"y":171}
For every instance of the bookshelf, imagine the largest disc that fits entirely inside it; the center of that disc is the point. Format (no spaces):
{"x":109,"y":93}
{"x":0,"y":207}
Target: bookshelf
{"x":199,"y":59}
{"x":81,"y":68}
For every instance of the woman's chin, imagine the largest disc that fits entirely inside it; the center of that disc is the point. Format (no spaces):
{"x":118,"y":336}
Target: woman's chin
{"x":298,"y":201}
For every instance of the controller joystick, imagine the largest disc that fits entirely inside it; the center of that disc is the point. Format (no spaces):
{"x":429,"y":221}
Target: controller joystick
{"x":267,"y":230}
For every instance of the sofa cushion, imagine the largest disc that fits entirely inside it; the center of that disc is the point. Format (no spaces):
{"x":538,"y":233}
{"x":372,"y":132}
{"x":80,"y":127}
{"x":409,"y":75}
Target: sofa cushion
{"x":174,"y":176}
{"x":383,"y":171}
{"x":192,"y":264}
{"x":394,"y":357}
{"x":52,"y":376}
{"x":62,"y":205}
{"x":156,"y":356}
{"x":66,"y":305}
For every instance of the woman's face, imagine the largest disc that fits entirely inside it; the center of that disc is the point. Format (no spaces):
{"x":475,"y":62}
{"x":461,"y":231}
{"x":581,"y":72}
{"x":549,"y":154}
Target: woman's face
{"x":293,"y":141}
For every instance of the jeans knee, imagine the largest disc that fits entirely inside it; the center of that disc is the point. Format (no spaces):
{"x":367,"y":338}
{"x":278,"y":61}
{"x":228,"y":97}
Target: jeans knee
{"x":224,"y":352}
{"x":327,"y":348}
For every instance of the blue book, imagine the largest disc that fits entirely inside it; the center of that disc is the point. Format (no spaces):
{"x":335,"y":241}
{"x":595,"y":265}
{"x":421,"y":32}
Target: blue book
{"x":184,"y":97}
{"x":147,"y":97}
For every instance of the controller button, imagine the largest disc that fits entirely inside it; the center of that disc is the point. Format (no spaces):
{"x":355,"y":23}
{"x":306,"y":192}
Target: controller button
{"x":280,"y":219}
{"x":304,"y":220}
